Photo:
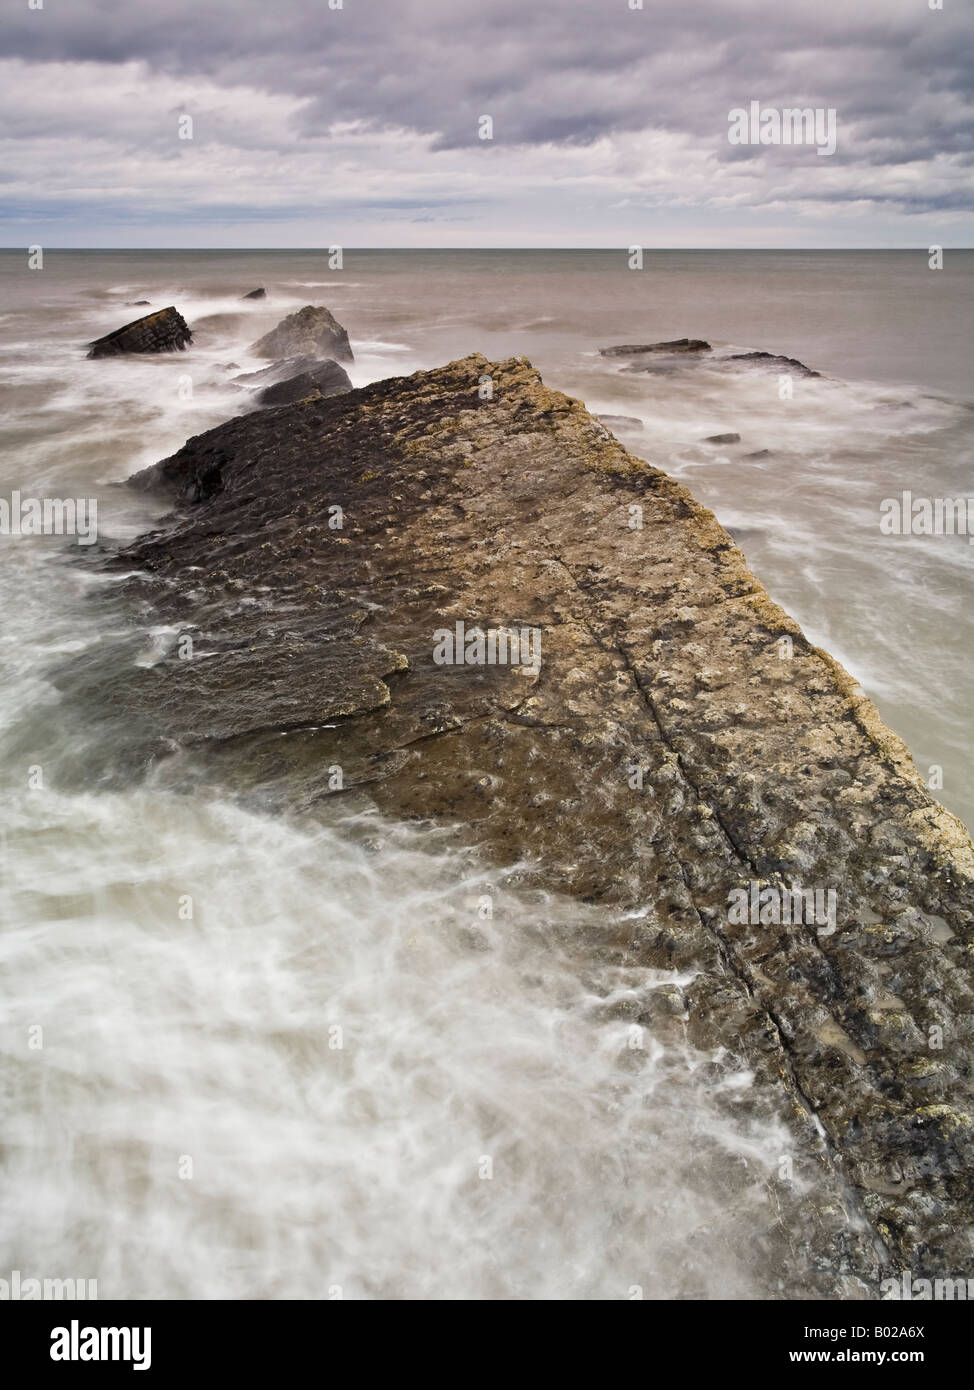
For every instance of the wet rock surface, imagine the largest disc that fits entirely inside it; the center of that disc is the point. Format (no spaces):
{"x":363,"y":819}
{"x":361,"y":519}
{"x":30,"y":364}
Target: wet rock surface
{"x":681,"y":743}
{"x":255,"y":294}
{"x":773,"y":362}
{"x":164,"y":331}
{"x":292,"y":380}
{"x":675,"y":345}
{"x":313,"y":331}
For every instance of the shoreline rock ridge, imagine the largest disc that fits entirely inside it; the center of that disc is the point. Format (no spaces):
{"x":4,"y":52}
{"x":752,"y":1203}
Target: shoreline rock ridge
{"x":680,"y":742}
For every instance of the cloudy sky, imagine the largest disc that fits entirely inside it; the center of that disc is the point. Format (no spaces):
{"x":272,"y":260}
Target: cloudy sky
{"x":361,"y":125}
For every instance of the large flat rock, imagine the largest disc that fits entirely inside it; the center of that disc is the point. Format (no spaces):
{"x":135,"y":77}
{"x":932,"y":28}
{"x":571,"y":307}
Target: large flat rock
{"x":680,"y":741}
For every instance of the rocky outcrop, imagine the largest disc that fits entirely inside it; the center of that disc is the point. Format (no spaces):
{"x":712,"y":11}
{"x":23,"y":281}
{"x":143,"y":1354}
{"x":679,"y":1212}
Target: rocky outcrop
{"x":255,"y":294}
{"x":675,"y":748}
{"x":164,"y":331}
{"x":771,"y":360}
{"x":295,"y":378}
{"x":313,"y":332}
{"x":676,"y":345}
{"x":327,"y":379}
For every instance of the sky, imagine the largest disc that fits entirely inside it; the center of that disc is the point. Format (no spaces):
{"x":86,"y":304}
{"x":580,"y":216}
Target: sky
{"x":312,"y":125}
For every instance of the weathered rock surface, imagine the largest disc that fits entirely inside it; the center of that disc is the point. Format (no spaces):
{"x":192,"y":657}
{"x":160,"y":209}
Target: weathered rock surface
{"x":681,"y":739}
{"x":313,"y":332}
{"x":328,"y":379}
{"x":164,"y":331}
{"x":771,"y":360}
{"x":675,"y":345}
{"x":255,"y":294}
{"x":729,"y":438}
{"x":292,"y":380}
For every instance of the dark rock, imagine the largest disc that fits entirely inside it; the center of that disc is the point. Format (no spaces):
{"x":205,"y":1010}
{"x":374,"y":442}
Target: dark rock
{"x":313,"y":331}
{"x":294,"y":378}
{"x":675,"y":345}
{"x":256,"y":294}
{"x":324,"y":379}
{"x":769,"y":359}
{"x":660,"y":652}
{"x":722,"y":439}
{"x":279,"y":371}
{"x":164,"y":331}
{"x":135,"y":303}
{"x":759,"y":454}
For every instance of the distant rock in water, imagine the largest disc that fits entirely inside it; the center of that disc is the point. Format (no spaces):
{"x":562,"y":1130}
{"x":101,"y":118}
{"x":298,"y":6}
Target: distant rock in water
{"x":729,"y":438}
{"x":135,"y":303}
{"x":652,"y":733}
{"x":622,"y":422}
{"x":164,"y":331}
{"x":769,"y":359}
{"x":256,"y":294}
{"x":313,"y":331}
{"x":759,"y":454}
{"x":675,"y":345}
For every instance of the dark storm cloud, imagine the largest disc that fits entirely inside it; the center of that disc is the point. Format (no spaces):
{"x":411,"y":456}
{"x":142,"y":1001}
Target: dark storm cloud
{"x":562,"y":69}
{"x":564,"y":73}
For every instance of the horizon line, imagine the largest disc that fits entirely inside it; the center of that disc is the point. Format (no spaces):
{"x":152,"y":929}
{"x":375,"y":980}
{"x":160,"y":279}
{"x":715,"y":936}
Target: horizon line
{"x":615,"y":250}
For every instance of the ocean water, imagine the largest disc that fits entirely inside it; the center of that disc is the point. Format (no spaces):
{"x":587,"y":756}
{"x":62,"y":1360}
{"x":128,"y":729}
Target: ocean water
{"x":180,"y":1116}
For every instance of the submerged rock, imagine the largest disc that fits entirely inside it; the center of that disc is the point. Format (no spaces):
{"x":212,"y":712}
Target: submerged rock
{"x":164,"y":331}
{"x":313,"y":331}
{"x":256,"y":294}
{"x":729,"y":438}
{"x":675,"y":345}
{"x":769,"y":359}
{"x":667,"y":743}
